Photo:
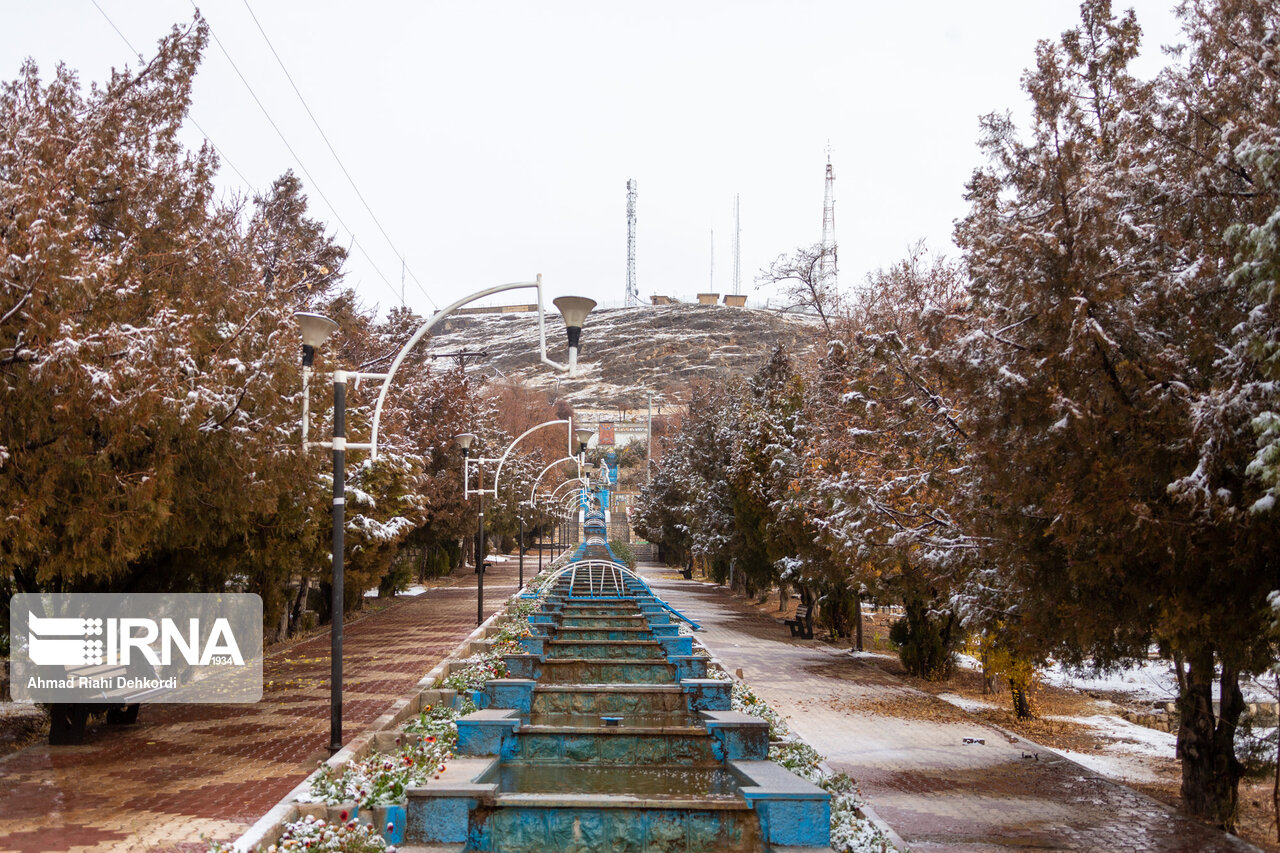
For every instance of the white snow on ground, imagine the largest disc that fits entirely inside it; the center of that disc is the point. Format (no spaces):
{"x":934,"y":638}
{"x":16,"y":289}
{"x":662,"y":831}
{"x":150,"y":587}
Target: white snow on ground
{"x":1127,"y":748}
{"x":416,"y":589}
{"x":857,"y":654}
{"x":1126,"y":736}
{"x":1148,"y":682}
{"x":1118,"y":767}
{"x":967,"y":704}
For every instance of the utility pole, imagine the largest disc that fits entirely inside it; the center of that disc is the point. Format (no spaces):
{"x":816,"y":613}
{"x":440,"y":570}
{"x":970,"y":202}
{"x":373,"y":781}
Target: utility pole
{"x":648,"y":443}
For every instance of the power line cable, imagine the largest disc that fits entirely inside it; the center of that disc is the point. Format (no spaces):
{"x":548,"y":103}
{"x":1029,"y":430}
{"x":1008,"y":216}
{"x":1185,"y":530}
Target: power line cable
{"x":221,"y":155}
{"x":314,"y":183}
{"x":332,"y":151}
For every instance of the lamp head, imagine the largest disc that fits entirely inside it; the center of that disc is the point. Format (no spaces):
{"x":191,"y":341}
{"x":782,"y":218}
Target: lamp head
{"x":316,"y":329}
{"x":574,"y":309}
{"x":463,"y":440}
{"x":583,"y":435}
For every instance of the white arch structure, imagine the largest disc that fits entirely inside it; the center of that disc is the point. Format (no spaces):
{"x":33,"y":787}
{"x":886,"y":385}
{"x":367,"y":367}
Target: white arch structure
{"x":621,"y":574}
{"x":538,"y":479}
{"x":554,"y":493}
{"x":497,"y":476}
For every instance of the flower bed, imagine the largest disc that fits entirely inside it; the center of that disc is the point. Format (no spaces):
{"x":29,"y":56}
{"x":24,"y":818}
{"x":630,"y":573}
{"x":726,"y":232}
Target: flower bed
{"x":478,"y":669}
{"x":380,"y":779}
{"x":316,"y":835}
{"x":850,"y":831}
{"x":423,"y":749}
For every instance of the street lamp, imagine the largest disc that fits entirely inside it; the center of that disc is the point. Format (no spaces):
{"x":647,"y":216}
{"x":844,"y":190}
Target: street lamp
{"x":316,"y":329}
{"x":574,"y":309}
{"x":464,"y":440}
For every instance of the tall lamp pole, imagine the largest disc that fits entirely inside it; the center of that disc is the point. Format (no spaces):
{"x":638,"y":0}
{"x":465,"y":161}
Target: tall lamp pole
{"x":316,"y":329}
{"x":463,"y":441}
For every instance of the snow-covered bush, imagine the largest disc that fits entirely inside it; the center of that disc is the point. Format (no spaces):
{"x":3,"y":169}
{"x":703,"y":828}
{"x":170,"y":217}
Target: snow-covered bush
{"x":850,"y":831}
{"x":316,"y":835}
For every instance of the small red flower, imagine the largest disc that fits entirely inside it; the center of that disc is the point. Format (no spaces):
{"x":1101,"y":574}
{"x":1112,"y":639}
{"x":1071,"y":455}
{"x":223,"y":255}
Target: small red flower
{"x":343,"y":815}
{"x":391,"y":827}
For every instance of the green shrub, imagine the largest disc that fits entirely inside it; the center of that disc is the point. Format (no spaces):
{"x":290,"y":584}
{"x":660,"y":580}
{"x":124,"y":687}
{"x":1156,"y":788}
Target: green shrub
{"x":623,"y":552}
{"x":926,"y":641}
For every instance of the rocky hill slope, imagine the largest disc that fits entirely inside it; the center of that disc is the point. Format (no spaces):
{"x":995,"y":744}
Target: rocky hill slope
{"x":629,"y":352}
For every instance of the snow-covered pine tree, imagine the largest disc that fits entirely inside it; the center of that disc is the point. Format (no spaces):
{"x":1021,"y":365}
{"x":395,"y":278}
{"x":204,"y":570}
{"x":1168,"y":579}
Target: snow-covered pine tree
{"x":146,"y":382}
{"x":1102,"y":305}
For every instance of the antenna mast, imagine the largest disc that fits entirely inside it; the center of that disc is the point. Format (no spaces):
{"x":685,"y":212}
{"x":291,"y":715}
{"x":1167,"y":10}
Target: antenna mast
{"x":712,"y":286}
{"x":827,"y":265}
{"x":633,"y":290}
{"x":737,"y":248}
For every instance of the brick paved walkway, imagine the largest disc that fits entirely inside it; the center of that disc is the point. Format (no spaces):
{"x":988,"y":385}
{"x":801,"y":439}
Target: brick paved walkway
{"x":934,"y":790}
{"x":190,"y":770}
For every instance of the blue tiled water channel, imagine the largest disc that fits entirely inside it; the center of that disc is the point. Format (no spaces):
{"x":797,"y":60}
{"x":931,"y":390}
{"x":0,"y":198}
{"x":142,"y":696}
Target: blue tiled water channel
{"x":608,"y":736}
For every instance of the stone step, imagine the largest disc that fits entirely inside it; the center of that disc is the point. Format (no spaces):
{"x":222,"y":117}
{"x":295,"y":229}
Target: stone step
{"x":667,"y":782}
{"x":617,"y":746}
{"x":605,"y":620}
{"x":599,"y":635}
{"x":596,"y":650}
{"x":579,"y":671}
{"x":609,"y":699}
{"x":560,"y":824}
{"x":656,"y":720}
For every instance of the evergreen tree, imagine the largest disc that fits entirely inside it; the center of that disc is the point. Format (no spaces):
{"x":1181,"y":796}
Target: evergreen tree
{"x":1102,"y":303}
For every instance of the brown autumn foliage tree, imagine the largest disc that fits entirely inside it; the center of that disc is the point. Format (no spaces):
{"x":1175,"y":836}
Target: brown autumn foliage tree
{"x":1102,"y":305}
{"x":144,"y":379}
{"x":879,"y":472}
{"x":150,"y":389}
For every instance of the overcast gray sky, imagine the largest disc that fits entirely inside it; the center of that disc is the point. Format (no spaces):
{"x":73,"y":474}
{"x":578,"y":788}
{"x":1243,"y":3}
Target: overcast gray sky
{"x":494,"y":140}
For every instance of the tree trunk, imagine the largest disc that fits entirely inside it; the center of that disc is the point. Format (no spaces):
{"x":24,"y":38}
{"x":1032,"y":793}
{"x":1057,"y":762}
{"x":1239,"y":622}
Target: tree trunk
{"x":857,"y":622}
{"x":1021,"y":701}
{"x":806,"y":598}
{"x":299,"y":603}
{"x":1210,"y":771}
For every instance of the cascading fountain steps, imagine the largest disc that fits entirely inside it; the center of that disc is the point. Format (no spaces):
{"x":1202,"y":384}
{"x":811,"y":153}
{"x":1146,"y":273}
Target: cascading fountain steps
{"x":608,"y":736}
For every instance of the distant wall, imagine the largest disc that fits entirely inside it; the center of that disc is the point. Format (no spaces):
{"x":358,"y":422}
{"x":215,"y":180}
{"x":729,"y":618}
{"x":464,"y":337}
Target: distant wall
{"x":498,"y":309}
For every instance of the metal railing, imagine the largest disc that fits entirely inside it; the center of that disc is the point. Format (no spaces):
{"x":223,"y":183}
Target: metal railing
{"x":619,"y":574}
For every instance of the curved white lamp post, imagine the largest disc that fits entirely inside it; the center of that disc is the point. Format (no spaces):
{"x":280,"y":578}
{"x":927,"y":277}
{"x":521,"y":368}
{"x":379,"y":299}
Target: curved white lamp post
{"x":316,"y":329}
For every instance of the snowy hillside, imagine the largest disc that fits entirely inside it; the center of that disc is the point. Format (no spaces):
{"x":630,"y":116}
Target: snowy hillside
{"x":627,"y":352}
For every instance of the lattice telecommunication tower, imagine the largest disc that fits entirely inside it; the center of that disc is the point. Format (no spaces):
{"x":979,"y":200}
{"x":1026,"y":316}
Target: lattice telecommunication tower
{"x":827,"y":265}
{"x":633,"y":290}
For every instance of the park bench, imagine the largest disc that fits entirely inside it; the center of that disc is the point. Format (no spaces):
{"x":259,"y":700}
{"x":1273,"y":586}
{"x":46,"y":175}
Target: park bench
{"x":799,"y":624}
{"x":67,"y":721}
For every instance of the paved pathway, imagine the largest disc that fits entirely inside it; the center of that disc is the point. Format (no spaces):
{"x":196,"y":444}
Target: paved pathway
{"x":934,"y":790}
{"x":187,"y":771}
